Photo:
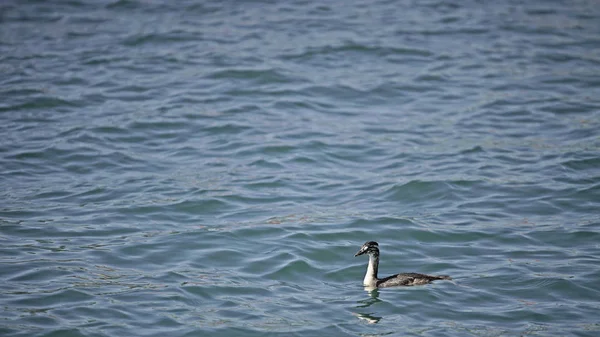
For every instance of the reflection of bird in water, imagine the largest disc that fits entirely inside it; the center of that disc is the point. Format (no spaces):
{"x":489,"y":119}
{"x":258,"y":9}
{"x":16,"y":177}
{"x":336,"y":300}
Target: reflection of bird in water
{"x":366,"y":317}
{"x":374,"y":298}
{"x":404,"y":279}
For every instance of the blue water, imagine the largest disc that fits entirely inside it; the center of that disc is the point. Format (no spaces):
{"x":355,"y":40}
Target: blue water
{"x":186,"y":168}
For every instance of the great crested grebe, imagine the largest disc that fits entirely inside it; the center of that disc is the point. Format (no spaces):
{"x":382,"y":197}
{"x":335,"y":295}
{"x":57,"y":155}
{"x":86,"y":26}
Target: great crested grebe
{"x":404,"y":279}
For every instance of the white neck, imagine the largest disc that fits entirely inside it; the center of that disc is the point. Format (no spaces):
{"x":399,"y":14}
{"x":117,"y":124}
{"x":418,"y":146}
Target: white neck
{"x":371,"y":275}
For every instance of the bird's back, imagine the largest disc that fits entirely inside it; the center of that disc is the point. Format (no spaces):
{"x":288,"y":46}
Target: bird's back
{"x":409,"y":279}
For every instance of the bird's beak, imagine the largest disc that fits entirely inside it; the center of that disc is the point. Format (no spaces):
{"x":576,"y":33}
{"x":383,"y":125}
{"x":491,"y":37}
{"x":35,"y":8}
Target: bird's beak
{"x":360,"y":252}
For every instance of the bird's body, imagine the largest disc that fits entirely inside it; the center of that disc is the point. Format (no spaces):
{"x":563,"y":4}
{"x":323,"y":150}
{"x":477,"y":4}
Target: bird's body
{"x":404,"y":279}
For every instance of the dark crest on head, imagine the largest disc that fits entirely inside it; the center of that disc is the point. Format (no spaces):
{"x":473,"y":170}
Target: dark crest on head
{"x":370,"y":247}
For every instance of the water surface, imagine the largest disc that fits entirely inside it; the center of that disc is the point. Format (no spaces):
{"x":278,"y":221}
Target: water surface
{"x":194,"y":167}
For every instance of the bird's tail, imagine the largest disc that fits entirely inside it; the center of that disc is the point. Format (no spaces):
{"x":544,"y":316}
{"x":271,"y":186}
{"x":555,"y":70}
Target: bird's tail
{"x":443,"y":277}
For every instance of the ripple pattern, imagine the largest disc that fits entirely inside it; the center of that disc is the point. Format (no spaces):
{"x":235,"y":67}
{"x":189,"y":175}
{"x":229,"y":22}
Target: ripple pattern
{"x":191,"y":168}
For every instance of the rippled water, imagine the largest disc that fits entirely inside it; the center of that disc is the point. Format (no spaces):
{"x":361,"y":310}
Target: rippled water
{"x":193,"y":167}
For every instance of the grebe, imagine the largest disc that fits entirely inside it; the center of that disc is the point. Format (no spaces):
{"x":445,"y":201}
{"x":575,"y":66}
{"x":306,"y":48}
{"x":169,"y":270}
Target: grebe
{"x":404,"y":279}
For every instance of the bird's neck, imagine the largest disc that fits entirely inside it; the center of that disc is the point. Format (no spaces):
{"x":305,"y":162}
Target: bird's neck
{"x":371,"y":275}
